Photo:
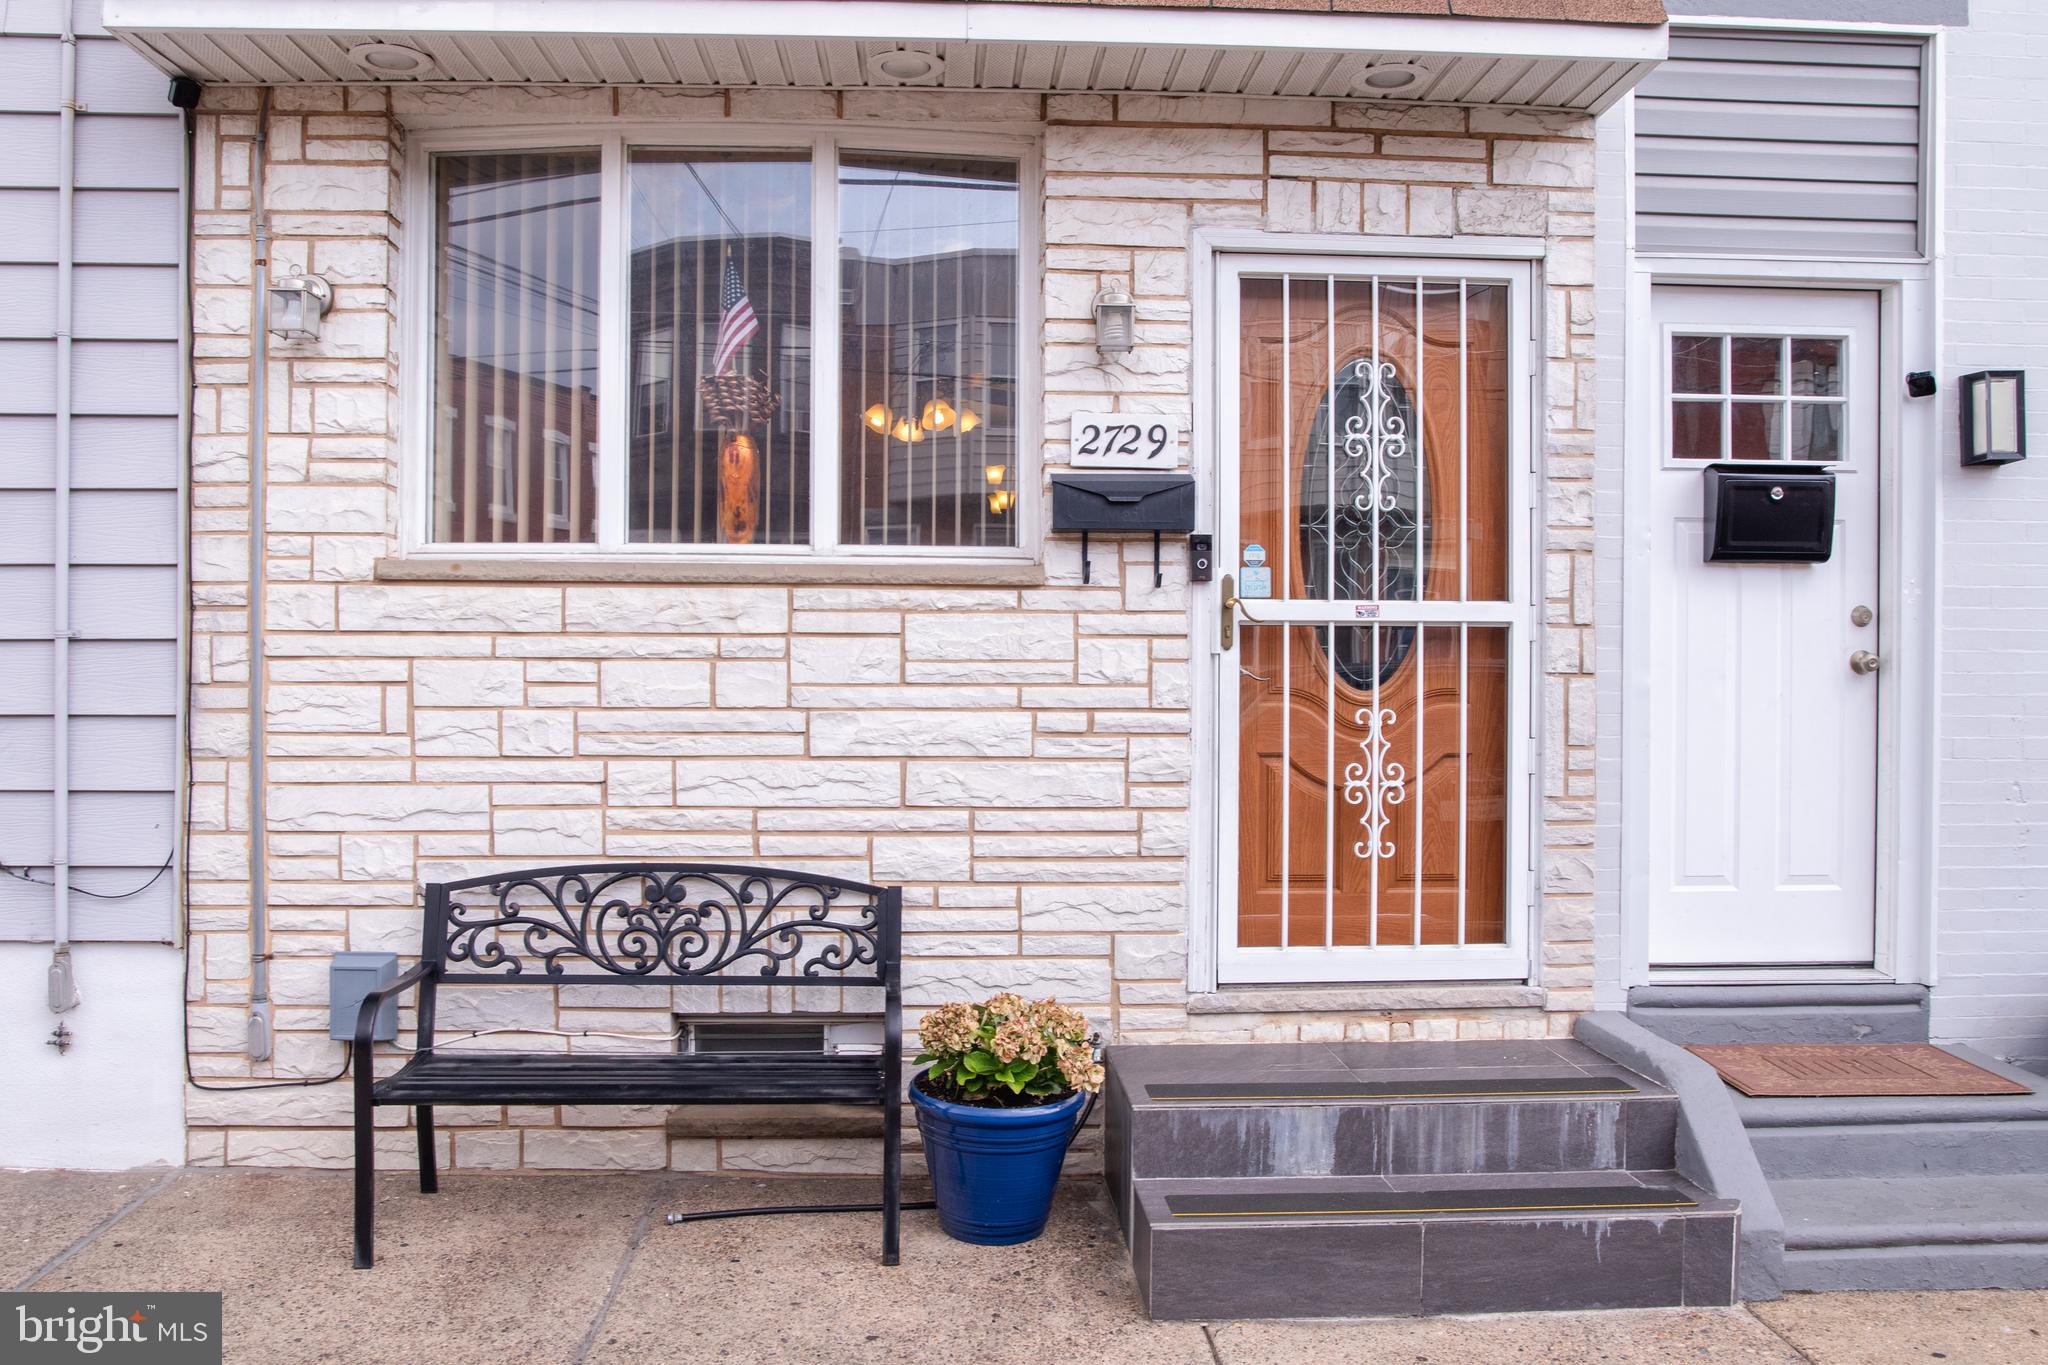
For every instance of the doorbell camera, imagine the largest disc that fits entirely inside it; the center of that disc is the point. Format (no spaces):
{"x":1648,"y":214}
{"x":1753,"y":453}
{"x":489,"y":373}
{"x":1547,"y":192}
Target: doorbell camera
{"x":1920,"y":384}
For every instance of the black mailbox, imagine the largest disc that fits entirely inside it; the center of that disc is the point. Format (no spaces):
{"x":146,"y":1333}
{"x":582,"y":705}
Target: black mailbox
{"x":1769,"y":516}
{"x":1087,"y":501}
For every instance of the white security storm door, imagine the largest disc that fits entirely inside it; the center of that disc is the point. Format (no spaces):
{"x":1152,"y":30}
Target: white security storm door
{"x":1372,"y":669}
{"x":1762,"y":686}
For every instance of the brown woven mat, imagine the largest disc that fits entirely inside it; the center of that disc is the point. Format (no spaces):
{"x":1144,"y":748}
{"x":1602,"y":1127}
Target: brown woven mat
{"x":1789,"y":1069}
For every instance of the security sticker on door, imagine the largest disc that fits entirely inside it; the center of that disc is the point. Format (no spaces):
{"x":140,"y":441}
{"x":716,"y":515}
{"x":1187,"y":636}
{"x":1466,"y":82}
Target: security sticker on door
{"x":1126,"y":440}
{"x":1255,"y":579}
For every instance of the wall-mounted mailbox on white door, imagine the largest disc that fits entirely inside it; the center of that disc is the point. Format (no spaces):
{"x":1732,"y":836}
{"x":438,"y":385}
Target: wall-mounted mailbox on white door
{"x":1769,"y":516}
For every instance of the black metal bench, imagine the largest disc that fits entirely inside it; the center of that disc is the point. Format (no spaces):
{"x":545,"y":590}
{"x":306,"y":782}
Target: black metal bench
{"x":652,"y":924}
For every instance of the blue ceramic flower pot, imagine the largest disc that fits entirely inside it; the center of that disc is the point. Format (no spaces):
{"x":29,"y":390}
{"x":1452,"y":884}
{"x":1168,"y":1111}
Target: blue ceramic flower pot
{"x":994,"y":1170}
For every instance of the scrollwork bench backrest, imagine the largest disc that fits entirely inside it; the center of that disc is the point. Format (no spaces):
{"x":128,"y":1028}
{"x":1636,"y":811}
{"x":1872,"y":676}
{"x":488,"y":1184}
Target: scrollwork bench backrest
{"x":669,"y":923}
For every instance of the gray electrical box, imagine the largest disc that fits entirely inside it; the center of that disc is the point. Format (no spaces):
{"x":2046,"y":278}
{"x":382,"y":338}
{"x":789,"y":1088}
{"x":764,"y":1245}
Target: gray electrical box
{"x":350,"y":977}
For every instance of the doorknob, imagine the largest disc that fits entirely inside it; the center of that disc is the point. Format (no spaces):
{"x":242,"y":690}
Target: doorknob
{"x":1229,"y":603}
{"x":1863,"y":661}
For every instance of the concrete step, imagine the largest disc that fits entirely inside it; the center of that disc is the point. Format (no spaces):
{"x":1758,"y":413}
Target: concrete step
{"x":1935,"y":1232}
{"x":1439,"y":1244}
{"x":1828,"y":1151}
{"x":1782,"y":1014}
{"x":1398,"y":1109}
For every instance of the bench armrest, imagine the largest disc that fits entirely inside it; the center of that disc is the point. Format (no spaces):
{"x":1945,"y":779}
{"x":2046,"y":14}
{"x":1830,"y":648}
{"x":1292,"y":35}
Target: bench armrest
{"x":366,"y":1017}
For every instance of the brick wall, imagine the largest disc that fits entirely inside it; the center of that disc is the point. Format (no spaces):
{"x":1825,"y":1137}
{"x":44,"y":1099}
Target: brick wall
{"x":1019,"y":758}
{"x":1993,"y":875}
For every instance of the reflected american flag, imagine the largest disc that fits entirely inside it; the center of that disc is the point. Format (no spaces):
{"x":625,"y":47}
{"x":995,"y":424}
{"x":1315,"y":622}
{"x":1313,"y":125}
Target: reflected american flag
{"x":737,"y":325}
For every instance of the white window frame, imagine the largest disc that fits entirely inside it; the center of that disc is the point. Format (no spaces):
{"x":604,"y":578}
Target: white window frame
{"x":501,"y":466}
{"x":612,"y":140}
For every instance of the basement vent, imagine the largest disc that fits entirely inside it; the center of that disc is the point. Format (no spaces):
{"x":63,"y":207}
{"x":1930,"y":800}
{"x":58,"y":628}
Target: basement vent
{"x":779,"y":1035}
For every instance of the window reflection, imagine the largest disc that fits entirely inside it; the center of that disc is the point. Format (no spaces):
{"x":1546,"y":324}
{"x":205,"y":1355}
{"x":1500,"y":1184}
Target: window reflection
{"x":928,"y":334}
{"x":720,"y":453}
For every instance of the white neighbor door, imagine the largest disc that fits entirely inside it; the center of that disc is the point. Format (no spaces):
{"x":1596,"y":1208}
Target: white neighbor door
{"x":1762,"y":788}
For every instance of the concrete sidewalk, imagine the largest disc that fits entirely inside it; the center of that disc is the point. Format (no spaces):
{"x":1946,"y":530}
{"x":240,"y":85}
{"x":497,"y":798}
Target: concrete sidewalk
{"x":510,"y":1269}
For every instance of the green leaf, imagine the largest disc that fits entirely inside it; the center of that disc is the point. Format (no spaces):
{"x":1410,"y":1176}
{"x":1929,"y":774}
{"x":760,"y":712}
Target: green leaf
{"x":980,"y":1062}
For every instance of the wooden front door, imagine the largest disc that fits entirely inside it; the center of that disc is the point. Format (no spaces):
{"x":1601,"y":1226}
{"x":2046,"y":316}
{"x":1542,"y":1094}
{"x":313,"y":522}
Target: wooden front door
{"x":1370,"y":759}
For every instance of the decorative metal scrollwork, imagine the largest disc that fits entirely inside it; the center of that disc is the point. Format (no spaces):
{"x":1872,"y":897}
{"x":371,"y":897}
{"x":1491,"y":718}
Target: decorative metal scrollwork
{"x":1376,"y":435}
{"x":641,"y":922}
{"x":1375,"y":784}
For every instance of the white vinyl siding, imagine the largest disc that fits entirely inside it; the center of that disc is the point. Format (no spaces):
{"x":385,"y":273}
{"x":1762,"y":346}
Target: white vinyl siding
{"x":1781,"y":144}
{"x":124,"y":667}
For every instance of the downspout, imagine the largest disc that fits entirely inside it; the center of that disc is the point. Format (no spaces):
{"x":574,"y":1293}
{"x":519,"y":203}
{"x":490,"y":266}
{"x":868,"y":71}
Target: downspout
{"x":63,"y":984}
{"x":181,"y":815}
{"x":259,"y":457}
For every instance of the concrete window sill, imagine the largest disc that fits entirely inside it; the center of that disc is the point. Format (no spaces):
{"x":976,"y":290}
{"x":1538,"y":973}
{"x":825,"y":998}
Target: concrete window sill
{"x":860,"y":573}
{"x":1364,"y":999}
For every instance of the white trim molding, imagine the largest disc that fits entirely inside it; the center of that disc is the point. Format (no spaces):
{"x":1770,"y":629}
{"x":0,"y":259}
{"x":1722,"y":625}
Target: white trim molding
{"x":970,"y":46}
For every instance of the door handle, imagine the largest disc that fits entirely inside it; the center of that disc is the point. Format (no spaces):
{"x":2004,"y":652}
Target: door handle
{"x":1864,"y":662}
{"x":1229,"y":607}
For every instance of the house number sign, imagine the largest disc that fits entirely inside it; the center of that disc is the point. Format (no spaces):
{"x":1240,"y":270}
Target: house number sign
{"x":1126,"y":440}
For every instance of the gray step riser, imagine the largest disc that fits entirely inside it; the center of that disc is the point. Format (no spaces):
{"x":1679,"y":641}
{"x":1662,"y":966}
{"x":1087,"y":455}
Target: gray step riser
{"x":2009,"y":1266}
{"x":1835,"y":1152}
{"x":1478,"y":1265}
{"x":1819,"y":1024}
{"x":1444,"y":1138}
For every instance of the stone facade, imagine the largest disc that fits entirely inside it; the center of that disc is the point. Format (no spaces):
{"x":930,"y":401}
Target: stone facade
{"x":1018,"y":756}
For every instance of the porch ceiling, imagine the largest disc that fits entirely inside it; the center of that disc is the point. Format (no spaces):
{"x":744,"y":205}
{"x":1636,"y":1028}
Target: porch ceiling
{"x":815,"y":44}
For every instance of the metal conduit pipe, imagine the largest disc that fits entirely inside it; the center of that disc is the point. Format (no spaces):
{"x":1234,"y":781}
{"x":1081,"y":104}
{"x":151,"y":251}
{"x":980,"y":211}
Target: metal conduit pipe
{"x":63,"y":983}
{"x":259,"y":456}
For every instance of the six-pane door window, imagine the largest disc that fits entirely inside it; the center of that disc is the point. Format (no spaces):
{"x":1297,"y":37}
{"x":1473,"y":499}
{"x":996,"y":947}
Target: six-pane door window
{"x":716,"y":286}
{"x":1769,"y":397}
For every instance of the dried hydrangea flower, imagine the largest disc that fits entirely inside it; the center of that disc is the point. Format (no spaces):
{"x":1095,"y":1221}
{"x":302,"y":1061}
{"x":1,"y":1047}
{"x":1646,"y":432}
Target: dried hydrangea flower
{"x":1008,"y":1005}
{"x":1078,"y":1065}
{"x":949,"y":1028}
{"x":1015,"y":1038}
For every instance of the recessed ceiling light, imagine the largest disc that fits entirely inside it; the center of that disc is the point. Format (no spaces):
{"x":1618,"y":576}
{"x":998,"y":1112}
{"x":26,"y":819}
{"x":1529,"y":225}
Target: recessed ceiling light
{"x":1392,"y":76}
{"x":390,"y":59}
{"x":903,"y":66}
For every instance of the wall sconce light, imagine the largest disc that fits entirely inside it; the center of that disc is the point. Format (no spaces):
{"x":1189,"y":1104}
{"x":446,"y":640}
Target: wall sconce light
{"x":297,"y":303}
{"x":1116,"y":314}
{"x":996,"y":473}
{"x":1994,"y":413}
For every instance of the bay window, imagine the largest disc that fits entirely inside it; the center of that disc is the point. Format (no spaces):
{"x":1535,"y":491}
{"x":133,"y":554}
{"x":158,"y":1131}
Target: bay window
{"x":650,"y":345}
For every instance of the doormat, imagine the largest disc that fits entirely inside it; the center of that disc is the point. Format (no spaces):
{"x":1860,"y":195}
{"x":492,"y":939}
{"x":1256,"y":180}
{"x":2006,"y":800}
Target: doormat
{"x":1377,"y":1203}
{"x":1785,"y":1070}
{"x":1476,"y":1088}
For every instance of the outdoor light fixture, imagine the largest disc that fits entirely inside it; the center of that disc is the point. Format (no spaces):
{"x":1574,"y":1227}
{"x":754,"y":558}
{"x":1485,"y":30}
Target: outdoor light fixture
{"x":297,"y":303}
{"x":391,"y":59}
{"x":902,"y":66}
{"x":1116,"y":314}
{"x":1994,"y":412}
{"x":1392,"y":76}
